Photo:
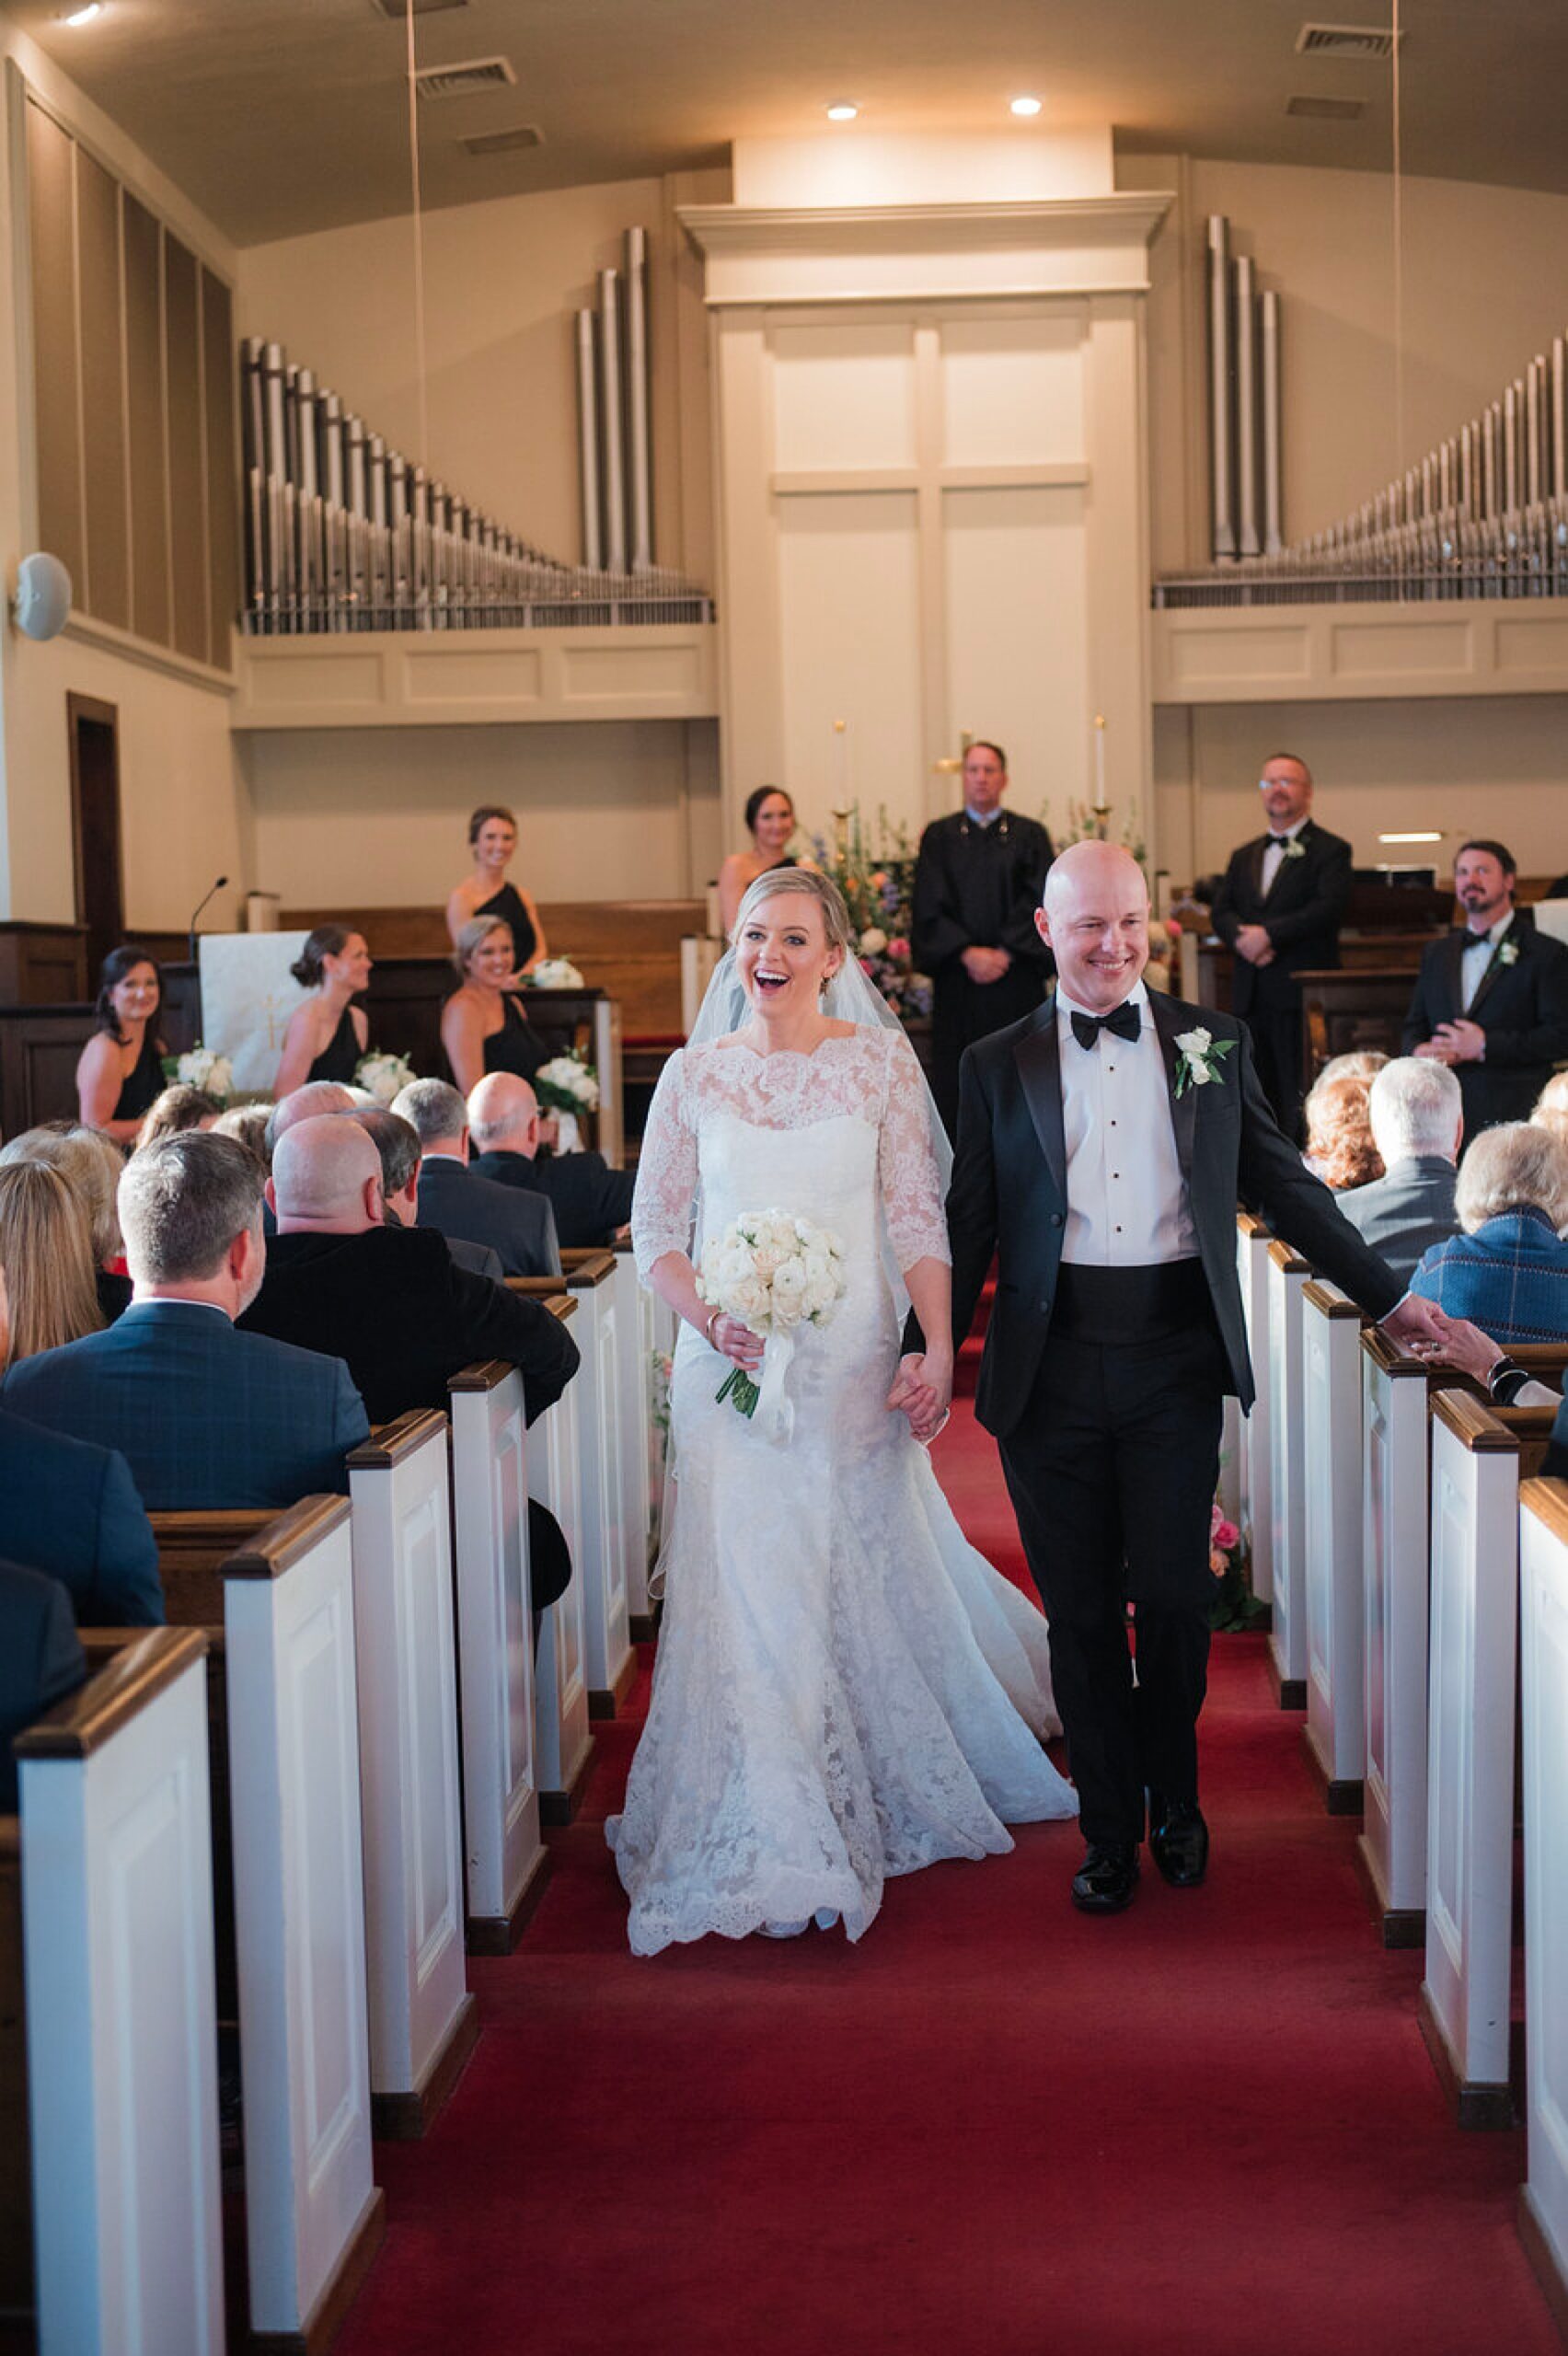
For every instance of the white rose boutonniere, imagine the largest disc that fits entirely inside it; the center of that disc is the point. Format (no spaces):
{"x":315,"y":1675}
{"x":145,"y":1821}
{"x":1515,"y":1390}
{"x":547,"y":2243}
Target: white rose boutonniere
{"x":1508,"y":952}
{"x":1200,"y":1061}
{"x":1295,"y":848}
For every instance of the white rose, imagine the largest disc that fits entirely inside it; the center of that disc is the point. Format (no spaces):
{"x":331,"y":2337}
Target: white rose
{"x":1201,"y":1075}
{"x":874,"y":940}
{"x":789,"y":1281}
{"x":747,"y":1298}
{"x":1195,"y":1043}
{"x":767,"y":1260}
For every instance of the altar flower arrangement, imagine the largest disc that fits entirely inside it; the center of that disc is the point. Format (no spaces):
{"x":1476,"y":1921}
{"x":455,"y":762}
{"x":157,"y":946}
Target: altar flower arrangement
{"x":554,"y":973}
{"x":201,"y":1068}
{"x":1234,"y":1607}
{"x":568,"y":1084}
{"x":383,"y":1076}
{"x":775,"y":1273}
{"x":875,"y":870}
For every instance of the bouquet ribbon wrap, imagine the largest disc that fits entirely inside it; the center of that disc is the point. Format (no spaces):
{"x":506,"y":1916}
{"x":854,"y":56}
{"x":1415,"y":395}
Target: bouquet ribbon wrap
{"x":775,"y":1409}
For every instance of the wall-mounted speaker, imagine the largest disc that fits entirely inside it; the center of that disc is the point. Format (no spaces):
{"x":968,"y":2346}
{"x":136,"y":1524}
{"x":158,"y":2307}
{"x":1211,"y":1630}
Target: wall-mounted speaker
{"x":43,"y":602}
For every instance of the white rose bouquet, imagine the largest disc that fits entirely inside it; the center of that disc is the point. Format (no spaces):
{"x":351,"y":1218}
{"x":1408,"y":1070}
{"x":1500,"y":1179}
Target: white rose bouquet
{"x":554,"y":973}
{"x":201,"y":1068}
{"x":383,"y":1076}
{"x":774,"y":1272}
{"x":568,"y":1084}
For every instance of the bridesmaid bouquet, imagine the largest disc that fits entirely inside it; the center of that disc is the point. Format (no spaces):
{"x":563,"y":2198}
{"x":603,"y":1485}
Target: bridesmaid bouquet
{"x":204,"y":1068}
{"x":567,"y":1084}
{"x":383,"y":1076}
{"x":774,"y":1272}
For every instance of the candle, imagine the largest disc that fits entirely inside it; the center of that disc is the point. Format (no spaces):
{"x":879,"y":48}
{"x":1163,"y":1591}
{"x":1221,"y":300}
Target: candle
{"x":1101,"y":805}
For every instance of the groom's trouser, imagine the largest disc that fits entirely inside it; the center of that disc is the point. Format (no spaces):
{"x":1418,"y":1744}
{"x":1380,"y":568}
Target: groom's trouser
{"x":1113,"y":1468}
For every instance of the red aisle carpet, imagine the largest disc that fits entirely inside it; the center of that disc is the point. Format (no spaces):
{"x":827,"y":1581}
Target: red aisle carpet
{"x":1209,"y":2125}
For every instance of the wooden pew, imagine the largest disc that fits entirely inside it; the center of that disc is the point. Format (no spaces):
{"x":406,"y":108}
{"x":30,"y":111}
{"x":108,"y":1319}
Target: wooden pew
{"x":1478,"y":1455}
{"x":275,"y":1593}
{"x":1333,"y":1604}
{"x":106,"y":1913}
{"x":610,"y":1664}
{"x":506,"y":1862}
{"x":565,"y":1746}
{"x":1255,"y":1519}
{"x":1288,"y":1278}
{"x":422,"y":2019}
{"x":637,"y":1437}
{"x":1543,"y":1637}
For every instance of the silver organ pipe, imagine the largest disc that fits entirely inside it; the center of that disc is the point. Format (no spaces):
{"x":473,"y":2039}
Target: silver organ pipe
{"x":1246,"y":333}
{"x":639,"y":468}
{"x":1222,"y":533}
{"x":1274,"y":488}
{"x":612,"y":448}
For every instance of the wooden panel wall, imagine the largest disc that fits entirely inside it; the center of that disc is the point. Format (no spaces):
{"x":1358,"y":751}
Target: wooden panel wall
{"x":134,"y":404}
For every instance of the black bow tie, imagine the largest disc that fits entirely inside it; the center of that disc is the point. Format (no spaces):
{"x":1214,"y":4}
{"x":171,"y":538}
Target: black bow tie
{"x":1282,"y":838}
{"x":1126,"y":1022}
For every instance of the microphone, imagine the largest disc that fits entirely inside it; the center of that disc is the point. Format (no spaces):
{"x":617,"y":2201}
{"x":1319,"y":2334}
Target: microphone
{"x":200,"y":905}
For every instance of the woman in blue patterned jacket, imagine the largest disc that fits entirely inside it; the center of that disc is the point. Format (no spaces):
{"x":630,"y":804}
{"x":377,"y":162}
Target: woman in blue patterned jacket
{"x":1508,"y":1272}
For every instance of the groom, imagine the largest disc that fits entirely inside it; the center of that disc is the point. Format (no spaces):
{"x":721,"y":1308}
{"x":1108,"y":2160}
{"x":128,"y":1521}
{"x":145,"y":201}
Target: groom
{"x":1104,"y":1163}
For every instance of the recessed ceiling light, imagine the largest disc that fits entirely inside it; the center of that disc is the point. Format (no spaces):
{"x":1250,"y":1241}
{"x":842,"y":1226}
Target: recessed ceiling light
{"x":1025,"y":105}
{"x":842,"y":112}
{"x":84,"y":16}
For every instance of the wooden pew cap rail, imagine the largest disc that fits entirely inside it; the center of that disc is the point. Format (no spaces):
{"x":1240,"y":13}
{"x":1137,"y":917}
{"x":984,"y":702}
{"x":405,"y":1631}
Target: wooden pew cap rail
{"x":287,"y":1538}
{"x":84,"y":1722}
{"x":1286,"y":1257}
{"x":1548,"y":1501}
{"x":547,"y":1290}
{"x":1330,"y":1301}
{"x":486,"y":1374}
{"x":1248,"y":1223}
{"x":586,"y":1268}
{"x":1478,"y":1427}
{"x":394,"y":1443}
{"x":1387,"y":1355}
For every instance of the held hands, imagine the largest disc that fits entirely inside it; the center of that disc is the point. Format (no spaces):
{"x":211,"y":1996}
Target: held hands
{"x":1464,"y":1346}
{"x":922,"y":1390}
{"x":1457,"y":1043}
{"x":985,"y":964}
{"x":1420,"y":1327}
{"x":1254,"y":944}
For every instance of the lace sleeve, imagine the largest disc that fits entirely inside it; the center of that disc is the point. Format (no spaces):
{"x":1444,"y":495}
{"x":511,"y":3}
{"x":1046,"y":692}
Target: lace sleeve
{"x":666,"y":1173}
{"x":907,"y":1167}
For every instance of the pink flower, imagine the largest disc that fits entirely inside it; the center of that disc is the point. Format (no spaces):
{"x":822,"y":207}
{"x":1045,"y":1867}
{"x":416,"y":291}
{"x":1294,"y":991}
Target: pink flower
{"x":898,"y":949}
{"x":864,"y":964}
{"x":1173,"y":930}
{"x":1227,"y":1535}
{"x":1217,"y":1563}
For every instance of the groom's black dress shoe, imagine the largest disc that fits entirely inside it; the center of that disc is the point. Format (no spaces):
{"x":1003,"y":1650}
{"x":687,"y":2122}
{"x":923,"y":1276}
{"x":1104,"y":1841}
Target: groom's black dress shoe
{"x":1178,"y":1840}
{"x":1105,"y":1881}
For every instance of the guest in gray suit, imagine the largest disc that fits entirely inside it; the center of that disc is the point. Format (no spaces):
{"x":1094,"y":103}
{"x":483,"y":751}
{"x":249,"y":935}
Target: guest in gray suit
{"x":1418,"y":1125}
{"x":520,"y":1226}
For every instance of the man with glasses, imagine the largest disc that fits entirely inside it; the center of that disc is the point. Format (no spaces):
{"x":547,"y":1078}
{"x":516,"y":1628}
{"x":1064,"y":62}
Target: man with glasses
{"x":1279,"y":908}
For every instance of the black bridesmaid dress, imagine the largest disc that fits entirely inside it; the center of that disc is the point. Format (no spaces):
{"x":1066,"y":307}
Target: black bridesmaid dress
{"x":144,"y":1084}
{"x":339,"y":1058}
{"x":507,"y":905}
{"x":517,"y":1046}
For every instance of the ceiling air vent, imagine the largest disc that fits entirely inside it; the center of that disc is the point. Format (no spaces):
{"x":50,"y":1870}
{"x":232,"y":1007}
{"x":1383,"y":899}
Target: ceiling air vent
{"x":398,"y":9}
{"x":504,"y":143}
{"x":1369,"y":41}
{"x":1326,"y":110}
{"x":462,"y":81}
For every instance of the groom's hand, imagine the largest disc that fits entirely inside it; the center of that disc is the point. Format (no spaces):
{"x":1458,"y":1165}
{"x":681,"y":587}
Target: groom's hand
{"x":922,"y":1390}
{"x":1416,"y":1325}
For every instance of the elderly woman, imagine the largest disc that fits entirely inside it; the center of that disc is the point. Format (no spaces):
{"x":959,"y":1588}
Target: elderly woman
{"x":1339,"y":1131}
{"x":327,"y":1036}
{"x":47,"y":1253}
{"x":1552,"y":1106}
{"x":1508,"y":1271}
{"x":492,"y":839}
{"x":91,"y":1165}
{"x":179,"y":1107}
{"x":483,"y":1027}
{"x":119,"y":1071}
{"x":770,"y":822}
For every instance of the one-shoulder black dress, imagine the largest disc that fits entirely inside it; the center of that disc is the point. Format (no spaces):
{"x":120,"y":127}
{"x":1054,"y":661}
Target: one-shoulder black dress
{"x":144,"y":1084}
{"x":517,"y":1046}
{"x":339,"y":1056}
{"x":507,"y":905}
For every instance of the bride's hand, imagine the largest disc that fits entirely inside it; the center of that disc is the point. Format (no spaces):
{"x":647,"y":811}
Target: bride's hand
{"x":922,"y":1390}
{"x":735,"y":1341}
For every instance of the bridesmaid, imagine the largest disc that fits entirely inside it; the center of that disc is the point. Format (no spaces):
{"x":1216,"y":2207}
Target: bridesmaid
{"x":492,"y":836}
{"x":483,"y":1027}
{"x":119,"y":1071}
{"x":327,"y":1036}
{"x":770,"y":822}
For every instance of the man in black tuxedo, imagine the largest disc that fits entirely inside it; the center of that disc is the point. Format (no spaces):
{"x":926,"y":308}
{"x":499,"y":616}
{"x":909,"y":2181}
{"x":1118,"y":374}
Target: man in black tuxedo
{"x":977,"y":883}
{"x":1492,"y":1000}
{"x":1280,"y":908}
{"x":1103,"y":1144}
{"x":518,"y":1225}
{"x":590,"y":1200}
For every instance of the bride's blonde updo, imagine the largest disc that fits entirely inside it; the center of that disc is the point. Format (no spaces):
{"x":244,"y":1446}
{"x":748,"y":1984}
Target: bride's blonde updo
{"x":806,"y":883}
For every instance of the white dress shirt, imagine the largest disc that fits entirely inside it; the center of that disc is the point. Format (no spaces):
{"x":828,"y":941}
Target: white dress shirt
{"x":1273,"y":854}
{"x":1476,"y":956}
{"x":1127,"y":1202}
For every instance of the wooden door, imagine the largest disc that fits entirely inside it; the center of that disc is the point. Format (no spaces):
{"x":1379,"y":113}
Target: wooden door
{"x":95,"y":825}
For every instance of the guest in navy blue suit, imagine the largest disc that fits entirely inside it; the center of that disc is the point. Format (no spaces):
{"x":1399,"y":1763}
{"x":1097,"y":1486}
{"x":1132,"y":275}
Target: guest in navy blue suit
{"x":519,"y":1226}
{"x":590,"y":1200}
{"x":71,"y":1510}
{"x":206,"y":1417}
{"x":40,"y":1660}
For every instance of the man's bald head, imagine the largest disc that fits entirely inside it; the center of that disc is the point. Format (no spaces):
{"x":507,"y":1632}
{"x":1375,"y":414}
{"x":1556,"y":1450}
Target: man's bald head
{"x":503,"y":1114}
{"x":326,"y":1178}
{"x":308,"y":1103}
{"x":1094,"y":918}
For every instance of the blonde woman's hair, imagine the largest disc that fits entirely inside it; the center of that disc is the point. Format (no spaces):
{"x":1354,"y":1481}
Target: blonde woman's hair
{"x":471,"y":934}
{"x":1361,"y":1063}
{"x":1339,"y":1132}
{"x":247,"y":1122}
{"x":1515,"y":1166}
{"x":1552,"y":1106}
{"x":805,"y":883}
{"x":46,"y":1251}
{"x":90,"y":1164}
{"x":181,"y":1108}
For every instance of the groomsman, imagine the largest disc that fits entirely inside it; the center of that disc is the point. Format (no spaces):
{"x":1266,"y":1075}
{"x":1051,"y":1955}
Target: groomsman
{"x":1492,"y":1000}
{"x":977,"y":883}
{"x":1280,"y":908}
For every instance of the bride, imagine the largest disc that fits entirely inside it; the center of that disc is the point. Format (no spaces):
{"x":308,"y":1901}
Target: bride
{"x":844,"y":1689}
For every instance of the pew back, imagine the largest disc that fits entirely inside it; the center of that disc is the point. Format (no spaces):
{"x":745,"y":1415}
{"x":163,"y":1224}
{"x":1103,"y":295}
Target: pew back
{"x":561,"y":1707}
{"x":1256,"y":1516}
{"x":1288,"y":1278}
{"x":1543,"y":1624}
{"x":604,"y":1568}
{"x":1330,"y":1366}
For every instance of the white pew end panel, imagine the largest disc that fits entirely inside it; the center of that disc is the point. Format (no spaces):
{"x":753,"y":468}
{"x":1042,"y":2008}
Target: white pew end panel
{"x":121,"y":2043}
{"x":1396,"y":1489}
{"x":315,"y":2217}
{"x":564,"y":1742}
{"x":1288,"y":1278}
{"x":506,"y":1860}
{"x":637,"y":1437}
{"x":1255,"y":1519}
{"x":1330,"y":1366}
{"x":1543,"y":1637}
{"x":609,"y":1662}
{"x":422,"y":2019}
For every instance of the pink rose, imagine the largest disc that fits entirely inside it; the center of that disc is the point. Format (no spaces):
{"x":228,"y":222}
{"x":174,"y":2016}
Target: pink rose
{"x":1227,"y":1535}
{"x":864,"y":964}
{"x":898,"y":949}
{"x":1173,"y":930}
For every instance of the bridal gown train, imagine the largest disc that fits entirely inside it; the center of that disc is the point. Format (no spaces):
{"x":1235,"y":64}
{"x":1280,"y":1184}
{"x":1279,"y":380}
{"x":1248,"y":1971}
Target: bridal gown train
{"x":845,"y":1690}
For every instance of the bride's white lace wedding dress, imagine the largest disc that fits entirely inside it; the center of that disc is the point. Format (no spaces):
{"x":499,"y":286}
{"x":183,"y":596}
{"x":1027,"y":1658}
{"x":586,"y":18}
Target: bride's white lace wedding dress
{"x":844,"y":1689}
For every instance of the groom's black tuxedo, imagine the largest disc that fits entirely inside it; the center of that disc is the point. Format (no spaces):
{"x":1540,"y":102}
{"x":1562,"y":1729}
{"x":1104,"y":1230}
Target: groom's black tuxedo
{"x":1105,"y":1384}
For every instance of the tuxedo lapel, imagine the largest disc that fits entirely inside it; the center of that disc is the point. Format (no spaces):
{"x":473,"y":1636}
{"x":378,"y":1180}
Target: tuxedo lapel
{"x":1255,"y":866}
{"x":1287,"y":862}
{"x":1168,"y":1020}
{"x":1451,"y":967}
{"x":1039,"y":1068}
{"x":1495,"y":968}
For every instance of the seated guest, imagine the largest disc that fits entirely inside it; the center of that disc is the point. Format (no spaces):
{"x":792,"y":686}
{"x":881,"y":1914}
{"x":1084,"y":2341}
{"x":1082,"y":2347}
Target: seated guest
{"x":1417,"y":1123}
{"x":248,"y":1124}
{"x":306,"y":1103}
{"x":119,"y":1071}
{"x":590,"y":1200}
{"x":90,"y":1164}
{"x":327,"y":1036}
{"x":178,"y":1108}
{"x":1360,"y":1063}
{"x":46,"y":1250}
{"x":488,"y":891}
{"x":1505,"y":1384}
{"x":398,"y":1143}
{"x":204,"y":1416}
{"x":1552,"y":1106}
{"x":517,"y":1224}
{"x":389,"y":1302}
{"x":1508,"y":1272}
{"x":1339,"y":1132}
{"x":40,"y":1659}
{"x":483,"y":1027}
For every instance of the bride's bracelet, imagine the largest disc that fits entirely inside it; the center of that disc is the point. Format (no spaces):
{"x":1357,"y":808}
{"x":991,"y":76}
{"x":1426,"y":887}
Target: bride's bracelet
{"x":714,"y":1317}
